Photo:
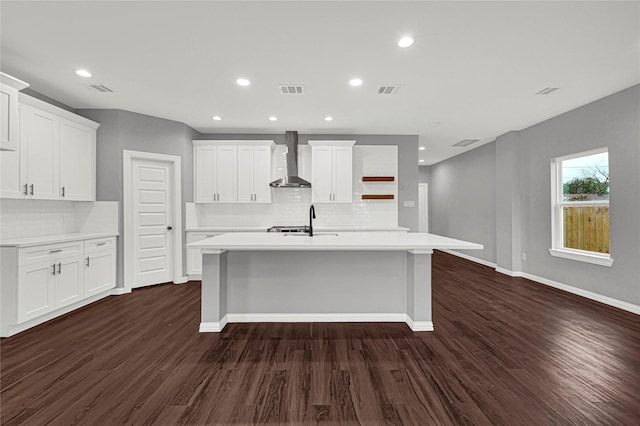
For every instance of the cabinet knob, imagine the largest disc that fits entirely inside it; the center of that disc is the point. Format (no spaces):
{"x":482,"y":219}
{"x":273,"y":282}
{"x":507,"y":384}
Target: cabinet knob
{"x":169,"y":228}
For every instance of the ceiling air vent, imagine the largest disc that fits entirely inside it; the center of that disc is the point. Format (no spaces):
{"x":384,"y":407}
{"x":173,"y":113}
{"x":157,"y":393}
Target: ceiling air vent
{"x":388,"y":90}
{"x":547,"y":90}
{"x":101,"y":88}
{"x":291,"y":89}
{"x":466,"y":142}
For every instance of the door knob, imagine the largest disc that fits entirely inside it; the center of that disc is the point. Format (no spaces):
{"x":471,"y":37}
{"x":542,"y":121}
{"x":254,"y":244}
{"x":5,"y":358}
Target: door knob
{"x":169,"y":228}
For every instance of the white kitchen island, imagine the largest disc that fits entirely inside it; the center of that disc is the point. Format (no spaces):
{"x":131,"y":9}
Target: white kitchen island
{"x":343,"y":277}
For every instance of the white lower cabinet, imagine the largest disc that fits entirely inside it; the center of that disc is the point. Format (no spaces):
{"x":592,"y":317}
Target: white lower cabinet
{"x":35,"y":291}
{"x":99,"y":273}
{"x":39,"y":282}
{"x":68,"y":287}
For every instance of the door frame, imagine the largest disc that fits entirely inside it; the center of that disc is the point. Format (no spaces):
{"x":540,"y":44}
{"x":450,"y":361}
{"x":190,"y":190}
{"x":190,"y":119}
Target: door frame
{"x":423,"y":208}
{"x":128,"y":158}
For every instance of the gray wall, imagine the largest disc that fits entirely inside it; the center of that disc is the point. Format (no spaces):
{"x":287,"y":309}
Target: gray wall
{"x":462,"y":199}
{"x":521,"y":162}
{"x":407,"y":163}
{"x":424,"y":174}
{"x":123,"y":130}
{"x":612,"y":122}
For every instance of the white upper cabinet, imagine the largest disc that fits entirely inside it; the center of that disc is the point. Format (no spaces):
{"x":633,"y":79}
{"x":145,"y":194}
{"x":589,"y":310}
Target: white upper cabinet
{"x":9,"y":123}
{"x":39,"y":147}
{"x":331,"y":171}
{"x":77,"y":161}
{"x":254,"y":173}
{"x":56,"y":156}
{"x":232,"y":171}
{"x":215,"y":169}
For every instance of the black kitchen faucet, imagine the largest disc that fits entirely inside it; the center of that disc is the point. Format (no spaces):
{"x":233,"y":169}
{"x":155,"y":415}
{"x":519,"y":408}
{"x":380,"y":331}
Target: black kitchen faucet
{"x":312,"y":215}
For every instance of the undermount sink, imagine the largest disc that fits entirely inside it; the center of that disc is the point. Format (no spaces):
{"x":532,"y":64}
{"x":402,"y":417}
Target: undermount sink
{"x":304,"y":234}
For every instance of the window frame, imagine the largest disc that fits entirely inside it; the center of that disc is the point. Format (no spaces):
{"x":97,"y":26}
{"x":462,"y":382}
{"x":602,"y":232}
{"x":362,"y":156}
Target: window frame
{"x":557,"y":204}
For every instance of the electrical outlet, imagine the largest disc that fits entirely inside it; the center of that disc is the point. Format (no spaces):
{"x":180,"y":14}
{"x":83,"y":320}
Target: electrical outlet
{"x":409,"y":203}
{"x":524,"y":256}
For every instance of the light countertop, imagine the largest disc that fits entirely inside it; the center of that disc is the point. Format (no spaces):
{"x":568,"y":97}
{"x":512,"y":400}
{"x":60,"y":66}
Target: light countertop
{"x":382,"y":241}
{"x":319,"y":229}
{"x":53,"y":239}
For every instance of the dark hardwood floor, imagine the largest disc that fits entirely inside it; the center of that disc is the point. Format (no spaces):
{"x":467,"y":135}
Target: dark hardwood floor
{"x":506,"y":351}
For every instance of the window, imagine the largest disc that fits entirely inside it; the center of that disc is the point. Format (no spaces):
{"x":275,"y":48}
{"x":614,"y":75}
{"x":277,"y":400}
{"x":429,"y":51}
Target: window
{"x":580,"y":204}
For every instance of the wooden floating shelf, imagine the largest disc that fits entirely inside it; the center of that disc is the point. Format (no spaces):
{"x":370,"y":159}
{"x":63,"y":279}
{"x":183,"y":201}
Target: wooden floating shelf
{"x":378,"y":178}
{"x":377,"y":196}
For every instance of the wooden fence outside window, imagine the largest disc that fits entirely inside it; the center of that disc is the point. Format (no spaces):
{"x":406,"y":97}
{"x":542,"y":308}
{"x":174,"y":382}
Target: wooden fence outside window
{"x":587,"y":228}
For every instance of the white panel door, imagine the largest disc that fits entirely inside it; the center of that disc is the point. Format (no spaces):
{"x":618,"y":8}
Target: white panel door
{"x":205,"y":174}
{"x":321,"y":174}
{"x":245,"y":174}
{"x":261,"y":174}
{"x":99,"y":272}
{"x":226,"y":174}
{"x":69,"y":284}
{"x":41,"y":133}
{"x":77,"y":162}
{"x":342,"y":174}
{"x":10,"y":183}
{"x":35,"y":290}
{"x":152,"y":222}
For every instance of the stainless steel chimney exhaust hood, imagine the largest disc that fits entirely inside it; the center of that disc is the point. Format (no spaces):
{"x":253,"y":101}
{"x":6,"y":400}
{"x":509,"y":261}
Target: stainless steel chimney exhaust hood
{"x":292,"y":180}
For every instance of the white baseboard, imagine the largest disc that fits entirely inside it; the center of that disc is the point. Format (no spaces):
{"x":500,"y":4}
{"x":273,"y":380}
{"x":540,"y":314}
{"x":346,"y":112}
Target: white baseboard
{"x":471,"y":258}
{"x":419,"y":325}
{"x":585,"y":293}
{"x":508,"y":272}
{"x":119,"y":290}
{"x":216,"y":327}
{"x":181,"y":280}
{"x":213,"y":327}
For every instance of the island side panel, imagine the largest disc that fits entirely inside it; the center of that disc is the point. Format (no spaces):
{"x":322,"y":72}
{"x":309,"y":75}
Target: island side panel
{"x":419,"y":290}
{"x":281,"y":284}
{"x":214,"y":292}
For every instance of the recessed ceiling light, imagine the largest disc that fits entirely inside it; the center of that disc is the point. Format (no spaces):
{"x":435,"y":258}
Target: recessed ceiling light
{"x":422,"y":161}
{"x":328,"y":118}
{"x":405,"y":41}
{"x":273,"y":118}
{"x":421,"y":148}
{"x":217,"y":117}
{"x":83,"y":73}
{"x":355,"y":82}
{"x":243,"y":82}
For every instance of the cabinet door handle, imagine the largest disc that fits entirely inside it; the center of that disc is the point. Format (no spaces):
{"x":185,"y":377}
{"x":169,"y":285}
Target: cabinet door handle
{"x":101,"y":244}
{"x":54,"y":270}
{"x":32,"y":185}
{"x":59,"y":268}
{"x":63,"y":191}
{"x":87,"y":260}
{"x":26,"y":189}
{"x":55,"y":251}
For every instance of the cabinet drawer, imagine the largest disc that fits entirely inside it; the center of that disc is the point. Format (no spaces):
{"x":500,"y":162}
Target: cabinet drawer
{"x":45,"y":253}
{"x":192,"y":237}
{"x":99,"y":244}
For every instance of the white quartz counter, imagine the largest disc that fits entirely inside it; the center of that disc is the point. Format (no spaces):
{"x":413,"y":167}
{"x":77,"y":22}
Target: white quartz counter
{"x":325,"y":241}
{"x":319,"y":229}
{"x":53,"y":239}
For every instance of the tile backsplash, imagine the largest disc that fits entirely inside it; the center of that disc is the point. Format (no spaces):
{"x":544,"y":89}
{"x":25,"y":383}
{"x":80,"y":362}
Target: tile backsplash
{"x":290,"y":206}
{"x":32,"y":218}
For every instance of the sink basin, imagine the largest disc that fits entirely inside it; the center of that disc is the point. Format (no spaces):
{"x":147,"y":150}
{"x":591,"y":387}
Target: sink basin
{"x":319,"y":234}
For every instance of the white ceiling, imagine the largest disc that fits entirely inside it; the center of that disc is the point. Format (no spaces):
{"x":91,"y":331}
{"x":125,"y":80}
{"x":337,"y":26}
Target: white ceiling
{"x":474,"y":67}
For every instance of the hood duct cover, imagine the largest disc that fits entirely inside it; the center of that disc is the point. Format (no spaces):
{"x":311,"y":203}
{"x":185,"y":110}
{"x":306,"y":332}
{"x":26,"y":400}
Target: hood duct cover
{"x":292,"y":180}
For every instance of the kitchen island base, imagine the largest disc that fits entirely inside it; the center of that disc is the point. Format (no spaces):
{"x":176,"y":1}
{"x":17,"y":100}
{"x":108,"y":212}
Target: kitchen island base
{"x":316,"y":286}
